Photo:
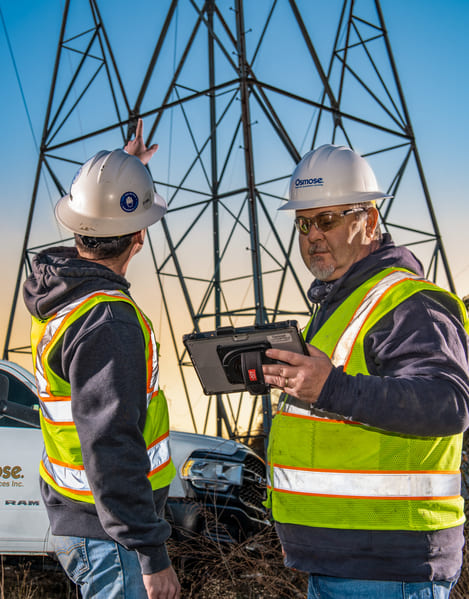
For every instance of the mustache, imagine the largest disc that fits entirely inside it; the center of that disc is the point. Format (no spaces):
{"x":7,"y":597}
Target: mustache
{"x":317,"y":248}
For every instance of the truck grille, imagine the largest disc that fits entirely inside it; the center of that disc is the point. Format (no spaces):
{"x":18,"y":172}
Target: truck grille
{"x":253,"y":490}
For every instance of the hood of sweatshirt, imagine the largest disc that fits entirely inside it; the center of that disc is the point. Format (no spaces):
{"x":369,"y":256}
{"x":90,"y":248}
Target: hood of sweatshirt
{"x":60,"y":276}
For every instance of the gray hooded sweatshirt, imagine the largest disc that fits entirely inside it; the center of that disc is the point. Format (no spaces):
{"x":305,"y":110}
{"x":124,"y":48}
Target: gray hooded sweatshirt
{"x":102,"y":356}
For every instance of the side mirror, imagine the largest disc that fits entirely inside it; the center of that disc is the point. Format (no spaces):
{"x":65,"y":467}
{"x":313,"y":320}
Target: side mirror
{"x":14,"y":410}
{"x":4,"y":385}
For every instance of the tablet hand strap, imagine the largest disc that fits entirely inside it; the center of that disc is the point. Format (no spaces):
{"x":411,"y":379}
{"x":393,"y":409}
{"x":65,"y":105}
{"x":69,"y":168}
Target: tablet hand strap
{"x":251,"y":369}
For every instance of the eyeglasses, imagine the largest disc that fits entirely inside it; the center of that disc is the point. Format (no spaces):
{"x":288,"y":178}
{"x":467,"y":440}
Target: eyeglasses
{"x":324,"y":221}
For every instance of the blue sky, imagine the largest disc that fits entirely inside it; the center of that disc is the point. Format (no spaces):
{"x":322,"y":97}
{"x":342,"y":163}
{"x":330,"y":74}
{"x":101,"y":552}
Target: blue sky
{"x":430,"y":45}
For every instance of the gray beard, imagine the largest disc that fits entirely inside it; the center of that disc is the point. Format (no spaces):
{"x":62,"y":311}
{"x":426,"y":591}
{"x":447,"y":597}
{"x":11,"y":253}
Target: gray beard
{"x":321,"y":273}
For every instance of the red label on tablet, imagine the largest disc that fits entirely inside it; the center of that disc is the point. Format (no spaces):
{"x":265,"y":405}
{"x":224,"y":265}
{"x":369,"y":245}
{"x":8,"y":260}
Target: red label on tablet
{"x":252,"y":374}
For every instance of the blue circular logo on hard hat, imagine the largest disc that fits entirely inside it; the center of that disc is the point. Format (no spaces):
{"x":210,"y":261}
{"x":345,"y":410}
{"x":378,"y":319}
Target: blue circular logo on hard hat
{"x":129,"y":201}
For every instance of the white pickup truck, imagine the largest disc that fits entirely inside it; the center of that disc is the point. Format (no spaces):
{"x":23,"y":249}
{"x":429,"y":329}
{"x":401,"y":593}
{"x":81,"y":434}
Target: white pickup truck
{"x":217,"y":492}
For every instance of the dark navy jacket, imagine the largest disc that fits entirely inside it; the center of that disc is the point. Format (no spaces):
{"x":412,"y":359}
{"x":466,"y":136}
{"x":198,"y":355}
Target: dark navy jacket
{"x":418,"y":384}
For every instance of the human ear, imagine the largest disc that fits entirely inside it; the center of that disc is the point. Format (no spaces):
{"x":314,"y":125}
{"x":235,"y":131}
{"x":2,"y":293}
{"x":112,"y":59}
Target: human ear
{"x":371,"y":221}
{"x":140,"y":236}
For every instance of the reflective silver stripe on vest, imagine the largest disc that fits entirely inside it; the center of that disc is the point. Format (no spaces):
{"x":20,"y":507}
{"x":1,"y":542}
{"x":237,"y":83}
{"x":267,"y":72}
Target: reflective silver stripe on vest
{"x":400,"y":485}
{"x":296,"y":408}
{"x":345,"y":344}
{"x":154,"y":380}
{"x":301,"y":408}
{"x":74,"y":479}
{"x":58,"y":411}
{"x":159,"y":453}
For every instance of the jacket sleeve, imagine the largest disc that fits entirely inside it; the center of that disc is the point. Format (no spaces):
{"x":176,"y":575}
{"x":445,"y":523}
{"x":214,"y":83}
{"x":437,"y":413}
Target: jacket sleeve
{"x":417,"y":357}
{"x":107,"y":373}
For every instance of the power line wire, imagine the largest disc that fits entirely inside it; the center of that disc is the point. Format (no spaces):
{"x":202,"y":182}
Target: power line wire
{"x":12,"y":56}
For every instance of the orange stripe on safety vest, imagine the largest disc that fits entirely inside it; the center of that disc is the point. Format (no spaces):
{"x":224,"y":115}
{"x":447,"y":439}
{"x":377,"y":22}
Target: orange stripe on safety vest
{"x":65,"y":464}
{"x":156,"y":441}
{"x":52,"y":398}
{"x":317,"y":419}
{"x":57,"y":423}
{"x":158,"y":468}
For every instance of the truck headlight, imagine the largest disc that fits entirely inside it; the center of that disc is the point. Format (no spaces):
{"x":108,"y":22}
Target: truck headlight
{"x":215,"y":475}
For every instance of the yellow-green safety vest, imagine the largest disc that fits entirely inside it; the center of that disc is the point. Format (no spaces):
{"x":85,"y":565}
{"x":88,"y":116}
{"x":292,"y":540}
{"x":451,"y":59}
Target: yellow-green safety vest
{"x":326,"y":471}
{"x":62,"y":462}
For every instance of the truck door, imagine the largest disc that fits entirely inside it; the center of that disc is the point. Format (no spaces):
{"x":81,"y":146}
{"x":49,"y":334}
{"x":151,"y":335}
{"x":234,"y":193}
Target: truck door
{"x":24,"y":524}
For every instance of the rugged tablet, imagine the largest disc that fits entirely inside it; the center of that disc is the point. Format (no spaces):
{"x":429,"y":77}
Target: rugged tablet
{"x":229,"y":359}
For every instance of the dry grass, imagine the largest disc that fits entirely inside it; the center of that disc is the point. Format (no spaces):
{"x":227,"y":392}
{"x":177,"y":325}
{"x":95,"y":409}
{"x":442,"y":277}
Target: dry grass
{"x":207,"y":570}
{"x":250,"y":570}
{"x":34,"y":578}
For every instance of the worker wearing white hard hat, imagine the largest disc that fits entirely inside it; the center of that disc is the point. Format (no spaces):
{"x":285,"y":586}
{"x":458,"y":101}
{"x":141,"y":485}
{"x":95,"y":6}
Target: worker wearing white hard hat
{"x":112,"y":194}
{"x":332,"y":176}
{"x":339,"y":179}
{"x":104,"y":416}
{"x":364,"y":450}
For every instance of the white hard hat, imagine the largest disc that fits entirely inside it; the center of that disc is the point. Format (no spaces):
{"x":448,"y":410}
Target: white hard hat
{"x":112,"y":194}
{"x":331,"y":176}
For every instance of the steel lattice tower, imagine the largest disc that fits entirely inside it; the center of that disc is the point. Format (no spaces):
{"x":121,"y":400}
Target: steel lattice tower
{"x":234,"y":94}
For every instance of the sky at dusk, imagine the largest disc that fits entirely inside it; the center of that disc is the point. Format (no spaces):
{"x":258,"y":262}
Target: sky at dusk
{"x":430,"y":45}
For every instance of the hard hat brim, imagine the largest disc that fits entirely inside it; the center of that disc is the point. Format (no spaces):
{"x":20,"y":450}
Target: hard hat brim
{"x":108,"y":227}
{"x":325,"y":202}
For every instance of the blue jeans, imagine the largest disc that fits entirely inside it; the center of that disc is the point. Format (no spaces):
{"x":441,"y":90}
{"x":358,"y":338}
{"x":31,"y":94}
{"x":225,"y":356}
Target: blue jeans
{"x":102,"y":569}
{"x":327,"y":587}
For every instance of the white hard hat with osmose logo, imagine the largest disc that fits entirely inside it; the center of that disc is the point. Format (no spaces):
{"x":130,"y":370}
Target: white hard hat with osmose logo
{"x":112,"y":194}
{"x":331,"y":176}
